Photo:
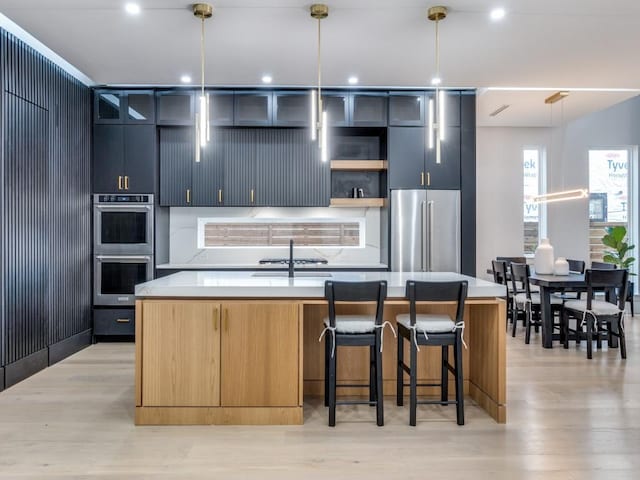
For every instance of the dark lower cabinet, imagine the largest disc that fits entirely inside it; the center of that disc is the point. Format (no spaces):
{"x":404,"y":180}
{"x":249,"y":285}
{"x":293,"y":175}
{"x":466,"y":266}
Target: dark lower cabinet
{"x":208,"y":174}
{"x":114,"y":321}
{"x":446,"y":174}
{"x":176,"y":166}
{"x":240,"y":168}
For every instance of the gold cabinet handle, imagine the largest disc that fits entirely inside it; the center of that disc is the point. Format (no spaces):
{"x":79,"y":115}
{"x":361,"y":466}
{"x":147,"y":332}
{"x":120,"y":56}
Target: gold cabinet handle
{"x":428,"y":179}
{"x":126,"y":182}
{"x":422,"y":178}
{"x":119,"y":182}
{"x":215,"y":319}
{"x":252,"y":195}
{"x":188,"y":195}
{"x":225,"y":320}
{"x":123,"y":320}
{"x":220,"y":196}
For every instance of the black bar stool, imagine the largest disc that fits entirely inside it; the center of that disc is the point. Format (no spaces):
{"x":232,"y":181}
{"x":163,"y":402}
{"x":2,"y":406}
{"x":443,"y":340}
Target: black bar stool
{"x":354,"y":330}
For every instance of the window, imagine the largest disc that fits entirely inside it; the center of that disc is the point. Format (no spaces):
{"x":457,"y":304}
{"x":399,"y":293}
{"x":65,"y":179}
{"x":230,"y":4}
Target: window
{"x":611,"y":193}
{"x":533,"y":215}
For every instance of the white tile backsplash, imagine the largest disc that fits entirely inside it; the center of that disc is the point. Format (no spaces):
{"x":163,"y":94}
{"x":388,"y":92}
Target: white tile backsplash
{"x":183,"y":244}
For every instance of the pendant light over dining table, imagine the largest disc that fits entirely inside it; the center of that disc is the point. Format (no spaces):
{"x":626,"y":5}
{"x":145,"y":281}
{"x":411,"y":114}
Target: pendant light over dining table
{"x":319,"y":121}
{"x":436,"y":118}
{"x":202,"y":11}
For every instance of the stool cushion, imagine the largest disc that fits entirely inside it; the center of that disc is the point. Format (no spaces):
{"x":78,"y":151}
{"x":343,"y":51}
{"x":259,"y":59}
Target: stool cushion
{"x":597,"y":306}
{"x":430,"y":322}
{"x":521,"y":299}
{"x":353,"y":323}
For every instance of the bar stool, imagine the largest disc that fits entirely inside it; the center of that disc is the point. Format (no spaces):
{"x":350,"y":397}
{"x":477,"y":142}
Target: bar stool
{"x":354,"y":330}
{"x":432,"y":329}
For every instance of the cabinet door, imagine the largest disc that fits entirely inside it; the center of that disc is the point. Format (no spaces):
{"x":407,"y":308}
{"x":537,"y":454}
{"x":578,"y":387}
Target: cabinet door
{"x":108,"y":106}
{"x":336,"y":105}
{"x":253,"y":108}
{"x":406,"y":109}
{"x":140,"y":107}
{"x":240,"y":168}
{"x":446,"y":174}
{"x":108,"y":158}
{"x":221,"y":108}
{"x":292,"y":109}
{"x":208,"y":174}
{"x":181,"y":354}
{"x":260,"y":353}
{"x":175,"y":108}
{"x":176,"y":163}
{"x":406,"y":156}
{"x":289,"y":172}
{"x":369,"y":109}
{"x":140,"y":158}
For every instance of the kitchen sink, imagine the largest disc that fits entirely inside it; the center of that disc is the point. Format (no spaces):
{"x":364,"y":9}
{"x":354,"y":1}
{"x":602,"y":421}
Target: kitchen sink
{"x":286,"y":274}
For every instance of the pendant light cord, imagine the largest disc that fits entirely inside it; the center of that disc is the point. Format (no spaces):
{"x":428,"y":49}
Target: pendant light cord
{"x":202,"y":55}
{"x":437,"y":50}
{"x":319,"y":73}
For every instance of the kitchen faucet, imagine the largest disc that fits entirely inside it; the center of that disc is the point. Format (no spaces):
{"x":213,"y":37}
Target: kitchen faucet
{"x":291,"y":258}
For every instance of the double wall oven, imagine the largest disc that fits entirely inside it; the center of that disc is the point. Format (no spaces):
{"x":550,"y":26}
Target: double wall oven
{"x":122,"y":247}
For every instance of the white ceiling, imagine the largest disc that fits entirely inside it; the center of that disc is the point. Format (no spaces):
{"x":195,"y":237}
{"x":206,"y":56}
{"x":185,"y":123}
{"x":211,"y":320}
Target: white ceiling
{"x":541,"y":43}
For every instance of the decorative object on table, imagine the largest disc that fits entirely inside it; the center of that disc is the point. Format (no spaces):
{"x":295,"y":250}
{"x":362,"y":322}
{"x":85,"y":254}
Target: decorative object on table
{"x":561,"y":266}
{"x":543,"y":262}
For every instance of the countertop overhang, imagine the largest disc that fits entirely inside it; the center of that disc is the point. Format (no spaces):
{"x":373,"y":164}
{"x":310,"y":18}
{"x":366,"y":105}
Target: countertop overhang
{"x":242,"y":284}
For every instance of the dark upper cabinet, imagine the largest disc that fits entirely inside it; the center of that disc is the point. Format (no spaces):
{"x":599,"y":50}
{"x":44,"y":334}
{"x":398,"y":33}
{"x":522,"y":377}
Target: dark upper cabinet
{"x":175,"y":107}
{"x":289,"y":171}
{"x":208,"y":174}
{"x":452,"y":107}
{"x":221,"y":108}
{"x":177,"y":157}
{"x":124,"y":106}
{"x":368,"y":109}
{"x":124,"y":158}
{"x":411,"y":165}
{"x":240,"y":168}
{"x":292,"y":108}
{"x":406,"y":148}
{"x":337,"y":106}
{"x":253,"y":108}
{"x":406,"y":109}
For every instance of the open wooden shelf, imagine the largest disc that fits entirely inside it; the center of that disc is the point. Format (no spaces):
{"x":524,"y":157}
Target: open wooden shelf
{"x":357,"y":202}
{"x":358,"y":165}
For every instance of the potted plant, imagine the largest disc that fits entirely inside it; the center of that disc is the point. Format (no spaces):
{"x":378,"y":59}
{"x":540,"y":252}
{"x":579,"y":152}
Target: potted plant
{"x":615,"y":239}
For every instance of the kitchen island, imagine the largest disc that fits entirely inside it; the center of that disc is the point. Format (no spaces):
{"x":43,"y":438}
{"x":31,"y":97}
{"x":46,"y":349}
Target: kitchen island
{"x":242,"y":347}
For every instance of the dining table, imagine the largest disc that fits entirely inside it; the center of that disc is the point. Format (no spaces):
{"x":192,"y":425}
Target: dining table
{"x":549,"y":284}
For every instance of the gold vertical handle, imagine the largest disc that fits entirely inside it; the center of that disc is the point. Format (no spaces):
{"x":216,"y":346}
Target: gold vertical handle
{"x":428,"y":179}
{"x":225,"y":320}
{"x":188,"y":195}
{"x":119,"y":182}
{"x":126,"y":182}
{"x":215,"y":319}
{"x":252,"y":195}
{"x":422,"y":179}
{"x":220,"y":196}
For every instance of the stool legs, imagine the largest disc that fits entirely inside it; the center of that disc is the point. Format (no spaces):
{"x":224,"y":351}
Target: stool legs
{"x":413,"y":387}
{"x":444,"y":375}
{"x":372,"y":374}
{"x":327,"y":353}
{"x":457,"y":352}
{"x":400,"y":373}
{"x":332,"y":384}
{"x":379,"y":393}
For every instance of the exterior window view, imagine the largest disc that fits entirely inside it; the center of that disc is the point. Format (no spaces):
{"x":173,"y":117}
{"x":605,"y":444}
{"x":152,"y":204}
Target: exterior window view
{"x":285,"y":240}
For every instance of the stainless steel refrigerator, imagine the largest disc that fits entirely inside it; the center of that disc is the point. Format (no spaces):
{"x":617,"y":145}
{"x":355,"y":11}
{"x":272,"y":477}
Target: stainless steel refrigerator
{"x":425,"y":230}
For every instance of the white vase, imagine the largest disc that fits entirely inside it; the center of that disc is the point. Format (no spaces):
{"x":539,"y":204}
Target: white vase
{"x":561,"y":266}
{"x":543,"y":263}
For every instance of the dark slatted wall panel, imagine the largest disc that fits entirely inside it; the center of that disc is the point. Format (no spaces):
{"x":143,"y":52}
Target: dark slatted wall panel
{"x":176,"y":157}
{"x":239,"y":166}
{"x":289,"y":154}
{"x":45,"y":211}
{"x":208,"y":175}
{"x":26,"y":189}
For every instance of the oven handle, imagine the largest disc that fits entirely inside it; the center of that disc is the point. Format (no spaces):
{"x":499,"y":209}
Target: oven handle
{"x":131,"y":208}
{"x":132,"y":258}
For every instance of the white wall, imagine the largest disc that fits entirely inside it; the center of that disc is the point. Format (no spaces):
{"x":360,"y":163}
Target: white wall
{"x":499,"y":179}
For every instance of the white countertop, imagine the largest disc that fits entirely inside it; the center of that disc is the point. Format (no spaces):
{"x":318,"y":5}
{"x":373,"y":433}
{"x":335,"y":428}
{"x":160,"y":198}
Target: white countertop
{"x":266,"y":266}
{"x":229,"y":284}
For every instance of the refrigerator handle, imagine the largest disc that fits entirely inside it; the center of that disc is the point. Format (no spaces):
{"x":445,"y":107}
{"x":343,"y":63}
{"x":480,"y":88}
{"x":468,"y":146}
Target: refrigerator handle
{"x":430,"y":215}
{"x":423,"y":241}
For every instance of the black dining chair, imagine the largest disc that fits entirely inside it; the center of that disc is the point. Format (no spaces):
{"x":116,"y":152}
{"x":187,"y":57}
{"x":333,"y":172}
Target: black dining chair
{"x":630,"y":286}
{"x":596,"y":314}
{"x":431,"y":329}
{"x":354,"y":331}
{"x":528,"y":302}
{"x":500,"y":276}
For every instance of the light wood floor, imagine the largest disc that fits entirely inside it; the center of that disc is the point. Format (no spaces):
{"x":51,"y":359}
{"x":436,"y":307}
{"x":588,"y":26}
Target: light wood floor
{"x":568,"y":419}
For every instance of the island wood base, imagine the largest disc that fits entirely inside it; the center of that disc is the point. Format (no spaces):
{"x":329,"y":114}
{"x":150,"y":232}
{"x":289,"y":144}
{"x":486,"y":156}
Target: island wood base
{"x":249,"y":361}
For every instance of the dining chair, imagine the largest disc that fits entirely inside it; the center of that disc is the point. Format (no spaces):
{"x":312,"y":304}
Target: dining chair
{"x":500,"y":276}
{"x":630,"y":286}
{"x":594,"y":313}
{"x":528,"y":302}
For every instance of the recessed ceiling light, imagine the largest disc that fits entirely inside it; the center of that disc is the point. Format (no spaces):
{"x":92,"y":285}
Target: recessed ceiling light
{"x":497,"y":14}
{"x":436,"y":81}
{"x":132,"y":8}
{"x":267,"y":79}
{"x":353,"y":80}
{"x":185,"y":79}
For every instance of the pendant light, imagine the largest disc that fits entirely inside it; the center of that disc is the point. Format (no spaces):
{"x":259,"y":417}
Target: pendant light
{"x":436,"y":114}
{"x":563,"y":195}
{"x":202,"y":11}
{"x":319,"y":121}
